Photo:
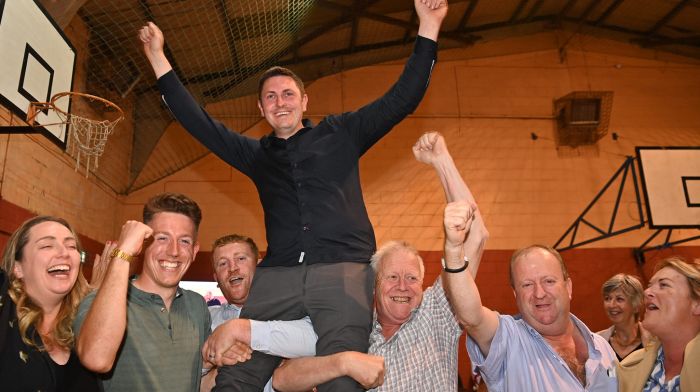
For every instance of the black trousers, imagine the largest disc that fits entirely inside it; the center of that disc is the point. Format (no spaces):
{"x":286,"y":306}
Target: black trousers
{"x":337,"y":296}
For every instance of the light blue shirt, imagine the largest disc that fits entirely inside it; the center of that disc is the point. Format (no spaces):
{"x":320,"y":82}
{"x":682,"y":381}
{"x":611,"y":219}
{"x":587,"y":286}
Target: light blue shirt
{"x":287,"y":339}
{"x":223,"y":313}
{"x":520,"y":359}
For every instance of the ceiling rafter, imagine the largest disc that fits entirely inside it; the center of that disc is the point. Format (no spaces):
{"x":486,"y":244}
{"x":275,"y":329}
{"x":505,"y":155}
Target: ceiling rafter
{"x":224,"y":19}
{"x":394,"y":21}
{"x":518,"y":10}
{"x":534,"y":10}
{"x":346,"y":16}
{"x":608,"y":11}
{"x":667,"y":18}
{"x":462,"y":25}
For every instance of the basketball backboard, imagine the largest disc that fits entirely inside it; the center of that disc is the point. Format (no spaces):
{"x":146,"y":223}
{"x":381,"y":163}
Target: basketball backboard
{"x":38,"y":62}
{"x":671,"y":183}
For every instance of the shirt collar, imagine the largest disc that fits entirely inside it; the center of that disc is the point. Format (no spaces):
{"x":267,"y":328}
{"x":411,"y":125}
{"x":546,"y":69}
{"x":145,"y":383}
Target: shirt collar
{"x":271,"y":140}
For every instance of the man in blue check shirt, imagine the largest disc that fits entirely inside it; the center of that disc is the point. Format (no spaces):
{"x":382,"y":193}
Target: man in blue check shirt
{"x":545,"y":348}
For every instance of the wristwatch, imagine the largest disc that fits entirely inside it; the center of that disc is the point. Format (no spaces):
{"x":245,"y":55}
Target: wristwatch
{"x":120,"y":254}
{"x":455,"y":270}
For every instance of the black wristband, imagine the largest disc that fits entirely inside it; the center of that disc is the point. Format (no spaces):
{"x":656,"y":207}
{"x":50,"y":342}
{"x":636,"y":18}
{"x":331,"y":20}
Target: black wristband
{"x":455,"y":270}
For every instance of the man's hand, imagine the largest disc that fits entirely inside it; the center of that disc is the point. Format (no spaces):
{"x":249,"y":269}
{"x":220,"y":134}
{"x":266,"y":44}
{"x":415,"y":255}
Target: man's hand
{"x":366,"y":369}
{"x":224,"y":344}
{"x":430,"y":147}
{"x":99,"y":266}
{"x":431,"y":13}
{"x":238,"y":352}
{"x":133,"y":234}
{"x":459,"y":216}
{"x":153,"y":44}
{"x":152,"y":39}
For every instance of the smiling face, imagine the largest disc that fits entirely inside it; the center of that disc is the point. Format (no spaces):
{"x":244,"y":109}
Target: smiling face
{"x":282,"y":104}
{"x":168,"y":257}
{"x":541,"y":292}
{"x":668,"y":303}
{"x":50,"y":262}
{"x":399,"y":287}
{"x":618,"y":307}
{"x":234,"y":268}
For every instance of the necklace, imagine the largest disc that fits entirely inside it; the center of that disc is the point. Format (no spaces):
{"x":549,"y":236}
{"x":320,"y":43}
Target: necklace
{"x":634,"y":339}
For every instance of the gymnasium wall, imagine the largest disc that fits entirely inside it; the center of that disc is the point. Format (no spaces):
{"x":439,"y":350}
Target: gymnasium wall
{"x":487,"y":100}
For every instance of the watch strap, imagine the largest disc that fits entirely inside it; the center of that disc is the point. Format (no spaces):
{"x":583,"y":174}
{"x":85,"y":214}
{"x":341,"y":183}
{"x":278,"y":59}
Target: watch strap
{"x":120,"y":254}
{"x":455,"y":270}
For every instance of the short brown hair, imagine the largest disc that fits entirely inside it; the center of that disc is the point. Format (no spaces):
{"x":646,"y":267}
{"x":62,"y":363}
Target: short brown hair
{"x":232,"y":239}
{"x":172,"y":202}
{"x":524,"y":251}
{"x":691,"y":271}
{"x":279,"y":71}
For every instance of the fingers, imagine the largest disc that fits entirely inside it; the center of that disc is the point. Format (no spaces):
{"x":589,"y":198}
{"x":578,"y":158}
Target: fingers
{"x":434,"y":4}
{"x":239,"y":352}
{"x":426,"y":142}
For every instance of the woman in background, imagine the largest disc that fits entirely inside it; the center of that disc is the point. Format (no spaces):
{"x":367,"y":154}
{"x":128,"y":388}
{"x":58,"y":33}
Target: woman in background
{"x":41,"y":285}
{"x":622,"y":300}
{"x":671,"y":361}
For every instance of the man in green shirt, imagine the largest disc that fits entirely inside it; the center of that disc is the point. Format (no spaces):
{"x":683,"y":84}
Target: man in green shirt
{"x":145,"y":334}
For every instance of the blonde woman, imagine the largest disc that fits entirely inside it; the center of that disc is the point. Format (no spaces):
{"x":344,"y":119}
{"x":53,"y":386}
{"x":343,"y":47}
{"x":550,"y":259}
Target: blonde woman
{"x":673,"y":315}
{"x":41,"y":285}
{"x":622,"y":300}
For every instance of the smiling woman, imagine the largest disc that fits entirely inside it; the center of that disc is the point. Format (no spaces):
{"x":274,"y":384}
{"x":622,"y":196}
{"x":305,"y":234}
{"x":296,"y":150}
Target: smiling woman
{"x":672,"y":303}
{"x":42,"y":275}
{"x":622,"y":300}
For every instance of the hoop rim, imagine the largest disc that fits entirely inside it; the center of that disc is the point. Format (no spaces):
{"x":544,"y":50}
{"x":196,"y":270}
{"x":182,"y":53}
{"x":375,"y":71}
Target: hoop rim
{"x":32,"y":112}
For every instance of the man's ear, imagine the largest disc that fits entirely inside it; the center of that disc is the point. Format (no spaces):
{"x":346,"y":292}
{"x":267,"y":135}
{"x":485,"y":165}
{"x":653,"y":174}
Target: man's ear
{"x":569,"y":287}
{"x":304,"y":101}
{"x":196,"y":249}
{"x":262,"y":113}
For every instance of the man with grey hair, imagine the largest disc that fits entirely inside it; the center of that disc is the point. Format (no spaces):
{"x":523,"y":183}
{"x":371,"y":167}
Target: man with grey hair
{"x":406,"y":315}
{"x":545,"y":348}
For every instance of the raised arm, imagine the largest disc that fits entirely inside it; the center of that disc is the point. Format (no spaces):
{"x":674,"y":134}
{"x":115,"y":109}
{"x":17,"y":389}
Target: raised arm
{"x":232,"y":147}
{"x":153,"y":43}
{"x":303,"y":374}
{"x":102,"y":330}
{"x":465,"y":236}
{"x":432,"y":149}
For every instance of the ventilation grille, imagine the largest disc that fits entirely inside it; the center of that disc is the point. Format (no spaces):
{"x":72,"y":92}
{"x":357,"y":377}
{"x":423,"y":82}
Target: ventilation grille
{"x":582,"y":117}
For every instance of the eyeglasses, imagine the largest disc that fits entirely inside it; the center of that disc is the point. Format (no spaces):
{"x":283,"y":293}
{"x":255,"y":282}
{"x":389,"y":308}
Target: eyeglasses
{"x":409,"y":279}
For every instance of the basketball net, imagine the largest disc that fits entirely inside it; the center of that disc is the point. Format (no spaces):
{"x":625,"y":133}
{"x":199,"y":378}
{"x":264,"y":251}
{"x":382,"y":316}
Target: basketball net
{"x":89,"y":136}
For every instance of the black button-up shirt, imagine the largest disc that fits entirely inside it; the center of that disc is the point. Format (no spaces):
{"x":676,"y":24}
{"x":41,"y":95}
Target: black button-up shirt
{"x":309,"y":184}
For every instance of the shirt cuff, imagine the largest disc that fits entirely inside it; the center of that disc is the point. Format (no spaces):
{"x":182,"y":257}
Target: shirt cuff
{"x":260,"y":332}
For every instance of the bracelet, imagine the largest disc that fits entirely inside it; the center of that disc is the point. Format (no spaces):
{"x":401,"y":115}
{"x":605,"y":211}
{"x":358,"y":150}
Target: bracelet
{"x":455,"y":270}
{"x":120,"y":254}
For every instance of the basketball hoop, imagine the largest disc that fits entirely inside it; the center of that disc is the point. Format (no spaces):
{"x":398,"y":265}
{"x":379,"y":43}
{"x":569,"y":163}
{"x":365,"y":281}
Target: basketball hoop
{"x":89,"y":136}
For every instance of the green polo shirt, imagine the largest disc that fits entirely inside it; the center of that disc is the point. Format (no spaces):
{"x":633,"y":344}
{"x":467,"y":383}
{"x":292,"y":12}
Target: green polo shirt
{"x":161,"y":348}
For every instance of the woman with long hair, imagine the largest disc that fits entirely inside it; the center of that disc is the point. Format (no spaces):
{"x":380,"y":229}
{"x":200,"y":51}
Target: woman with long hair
{"x":41,"y":285}
{"x":622,"y":300}
{"x":672,"y":360}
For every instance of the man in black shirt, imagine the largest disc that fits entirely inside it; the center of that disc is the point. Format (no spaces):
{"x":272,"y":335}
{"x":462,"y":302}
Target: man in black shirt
{"x":319,"y":235}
